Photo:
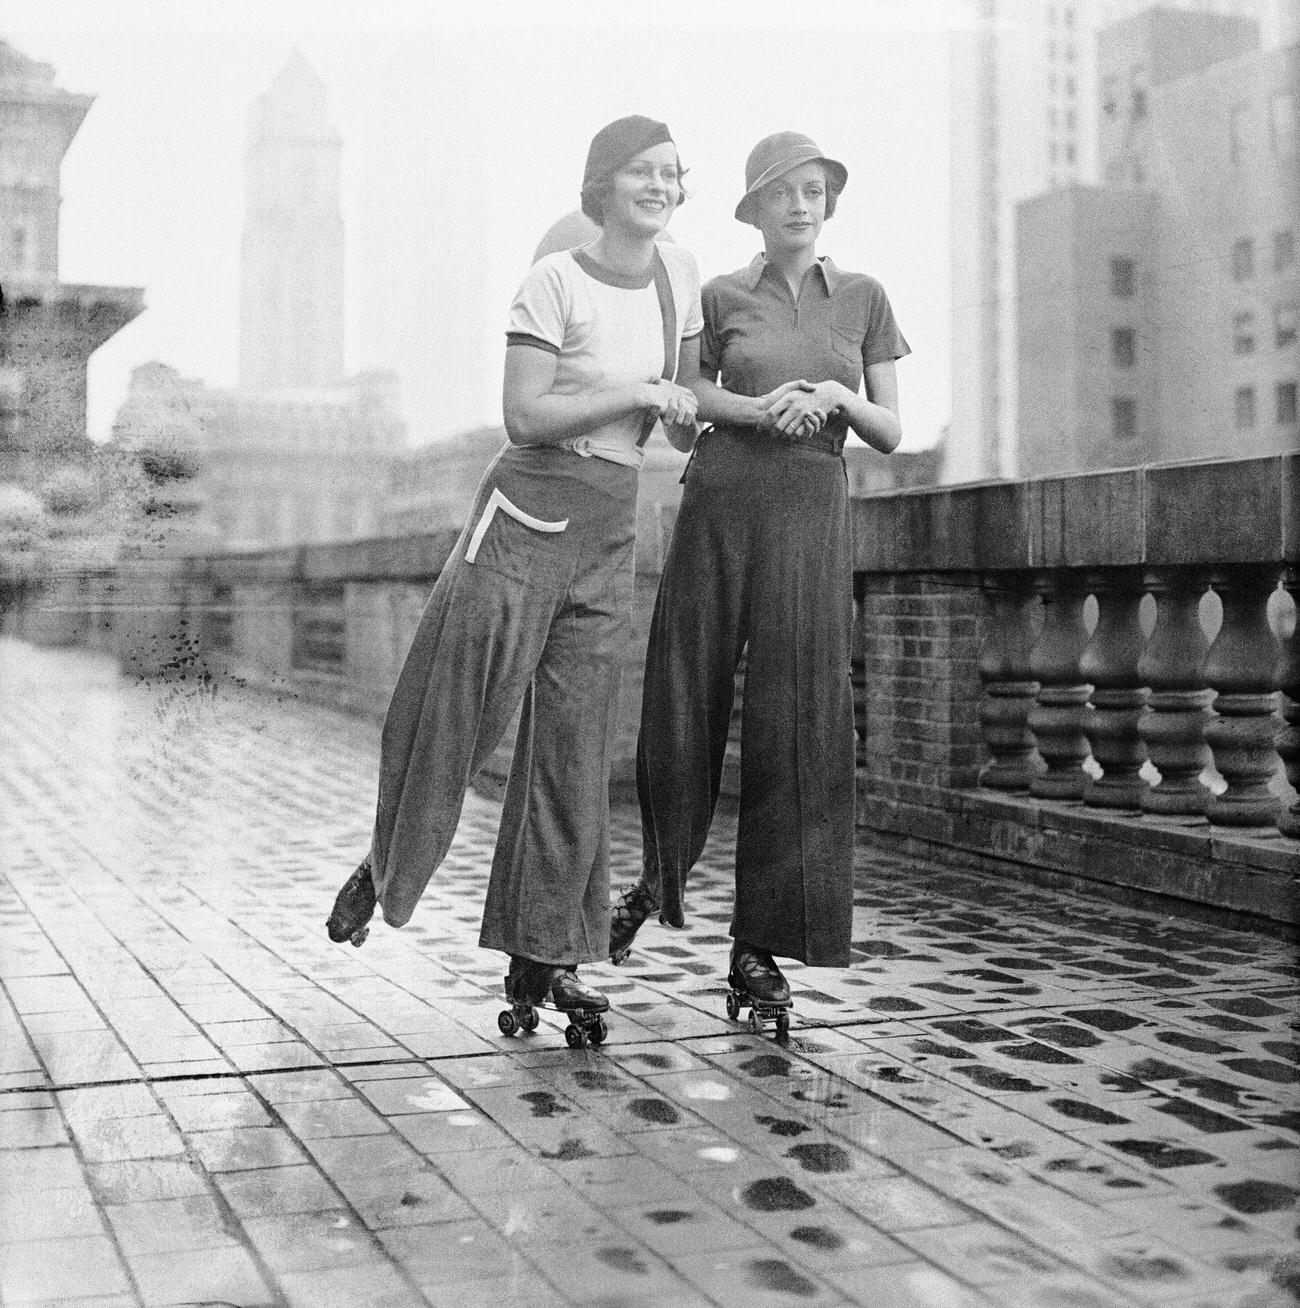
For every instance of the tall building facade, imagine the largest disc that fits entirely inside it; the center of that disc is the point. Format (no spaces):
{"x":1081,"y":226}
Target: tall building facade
{"x":48,"y":328}
{"x":1024,"y":88}
{"x":1019,"y":84}
{"x":1160,"y":311}
{"x":291,"y":275}
{"x":425,"y":309}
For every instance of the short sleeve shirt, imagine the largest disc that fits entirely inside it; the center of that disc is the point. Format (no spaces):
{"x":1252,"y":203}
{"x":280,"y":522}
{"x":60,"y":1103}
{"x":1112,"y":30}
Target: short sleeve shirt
{"x":605,"y":330}
{"x":757,"y":336}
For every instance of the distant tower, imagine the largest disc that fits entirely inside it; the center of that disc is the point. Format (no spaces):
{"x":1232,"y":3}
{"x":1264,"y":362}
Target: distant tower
{"x":291,"y":283}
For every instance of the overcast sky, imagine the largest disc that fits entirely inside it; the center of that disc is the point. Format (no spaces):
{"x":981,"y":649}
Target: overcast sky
{"x":153,"y":183}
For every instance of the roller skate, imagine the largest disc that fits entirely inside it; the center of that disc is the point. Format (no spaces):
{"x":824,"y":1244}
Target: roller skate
{"x":626,"y":914}
{"x":354,"y":906}
{"x":530,"y":986}
{"x":757,"y":984}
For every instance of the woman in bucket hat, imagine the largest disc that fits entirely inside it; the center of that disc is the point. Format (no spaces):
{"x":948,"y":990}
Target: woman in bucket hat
{"x":534,"y":604}
{"x":760,"y":566}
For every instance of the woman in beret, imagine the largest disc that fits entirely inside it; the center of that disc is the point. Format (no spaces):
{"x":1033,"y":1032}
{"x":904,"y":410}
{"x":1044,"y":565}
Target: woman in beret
{"x":760,"y":567}
{"x":534,"y":604}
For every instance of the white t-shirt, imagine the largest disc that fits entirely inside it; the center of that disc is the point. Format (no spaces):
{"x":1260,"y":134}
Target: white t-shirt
{"x":605,"y":330}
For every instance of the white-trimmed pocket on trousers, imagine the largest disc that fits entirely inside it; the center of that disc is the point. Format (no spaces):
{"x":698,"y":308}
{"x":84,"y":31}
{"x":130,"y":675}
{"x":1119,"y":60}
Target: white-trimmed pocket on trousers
{"x":498,"y":501}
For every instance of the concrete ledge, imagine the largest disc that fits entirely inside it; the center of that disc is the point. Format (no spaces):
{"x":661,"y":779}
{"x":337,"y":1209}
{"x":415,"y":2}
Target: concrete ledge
{"x":1183,"y":869}
{"x":1154,"y":515}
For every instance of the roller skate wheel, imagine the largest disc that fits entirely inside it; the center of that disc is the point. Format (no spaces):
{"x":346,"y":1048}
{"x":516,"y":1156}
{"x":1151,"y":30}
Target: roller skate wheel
{"x":358,"y":937}
{"x":574,"y":1038}
{"x":529,"y":1021}
{"x":506,"y":1022}
{"x":598,"y":1031}
{"x":733,"y":1007}
{"x":755,"y":1023}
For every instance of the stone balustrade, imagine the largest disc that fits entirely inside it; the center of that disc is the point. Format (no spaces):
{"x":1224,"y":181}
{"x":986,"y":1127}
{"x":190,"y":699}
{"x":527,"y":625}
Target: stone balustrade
{"x":1136,"y":677}
{"x":1082,"y":680}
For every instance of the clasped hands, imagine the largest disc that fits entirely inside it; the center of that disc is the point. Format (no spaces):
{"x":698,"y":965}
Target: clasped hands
{"x":798,"y":409}
{"x":674,"y":405}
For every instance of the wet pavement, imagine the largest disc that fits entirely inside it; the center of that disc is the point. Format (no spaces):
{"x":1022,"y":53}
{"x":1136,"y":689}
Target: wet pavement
{"x":1014,"y":1097}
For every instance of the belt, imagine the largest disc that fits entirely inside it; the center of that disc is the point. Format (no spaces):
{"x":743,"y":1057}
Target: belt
{"x":826,"y":441}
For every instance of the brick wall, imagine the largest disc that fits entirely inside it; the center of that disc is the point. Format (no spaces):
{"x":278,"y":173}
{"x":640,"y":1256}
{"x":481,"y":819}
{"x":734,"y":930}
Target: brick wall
{"x":918,"y":645}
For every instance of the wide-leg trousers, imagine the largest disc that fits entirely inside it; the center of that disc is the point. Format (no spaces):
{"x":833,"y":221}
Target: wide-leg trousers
{"x":760,"y":564}
{"x":533,"y":606}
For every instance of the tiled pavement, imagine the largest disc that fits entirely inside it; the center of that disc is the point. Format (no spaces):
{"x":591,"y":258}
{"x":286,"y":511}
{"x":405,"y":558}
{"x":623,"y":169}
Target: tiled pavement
{"x":1012,"y":1098}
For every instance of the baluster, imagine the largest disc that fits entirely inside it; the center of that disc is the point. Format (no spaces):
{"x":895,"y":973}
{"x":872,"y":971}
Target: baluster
{"x":1178,"y":710}
{"x":1009,"y":687}
{"x":1110,"y":663}
{"x":1240,"y":666}
{"x":1288,"y":681}
{"x":1057,"y":717}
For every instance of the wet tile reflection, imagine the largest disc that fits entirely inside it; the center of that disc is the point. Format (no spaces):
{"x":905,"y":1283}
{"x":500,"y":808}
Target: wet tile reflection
{"x":1012,"y":1097}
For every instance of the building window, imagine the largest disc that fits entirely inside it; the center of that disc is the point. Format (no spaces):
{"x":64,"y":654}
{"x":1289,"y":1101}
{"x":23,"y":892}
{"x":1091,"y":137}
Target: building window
{"x":1121,"y":277}
{"x":1109,"y":95}
{"x":1281,"y":123}
{"x":1069,"y":17}
{"x":1069,"y":153}
{"x":1243,"y":260}
{"x":1069,"y":52}
{"x":1283,"y":250}
{"x":1286,"y":404}
{"x":1243,"y":333}
{"x":1123,"y":347}
{"x":1286,"y":323}
{"x":1238,"y":132}
{"x":1069,"y":86}
{"x":1244,"y":407}
{"x":1123,"y":420}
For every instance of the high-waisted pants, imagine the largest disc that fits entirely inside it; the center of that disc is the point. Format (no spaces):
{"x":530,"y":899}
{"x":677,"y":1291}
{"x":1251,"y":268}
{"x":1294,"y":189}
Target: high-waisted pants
{"x":760,"y":564}
{"x":534,"y":605}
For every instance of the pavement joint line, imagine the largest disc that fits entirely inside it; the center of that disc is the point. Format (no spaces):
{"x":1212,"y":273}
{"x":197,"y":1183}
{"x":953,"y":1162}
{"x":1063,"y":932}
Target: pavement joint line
{"x":237,"y":1075}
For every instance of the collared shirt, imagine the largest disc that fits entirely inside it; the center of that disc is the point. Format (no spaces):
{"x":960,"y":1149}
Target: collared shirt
{"x":757,"y":335}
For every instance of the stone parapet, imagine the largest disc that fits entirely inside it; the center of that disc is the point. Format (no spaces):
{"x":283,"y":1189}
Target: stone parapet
{"x":1087,"y":677}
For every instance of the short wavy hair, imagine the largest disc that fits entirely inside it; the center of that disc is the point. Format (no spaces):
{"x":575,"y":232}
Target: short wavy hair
{"x":593,"y":196}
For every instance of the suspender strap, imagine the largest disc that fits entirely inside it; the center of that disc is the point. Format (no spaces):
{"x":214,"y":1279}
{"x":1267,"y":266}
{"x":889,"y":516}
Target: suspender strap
{"x":668,"y":312}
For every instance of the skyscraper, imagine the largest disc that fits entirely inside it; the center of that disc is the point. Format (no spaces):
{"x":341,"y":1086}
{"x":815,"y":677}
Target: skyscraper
{"x":1160,"y":311}
{"x":425,"y":310}
{"x":1019,"y":85}
{"x":1024,"y":122}
{"x":291,"y":282}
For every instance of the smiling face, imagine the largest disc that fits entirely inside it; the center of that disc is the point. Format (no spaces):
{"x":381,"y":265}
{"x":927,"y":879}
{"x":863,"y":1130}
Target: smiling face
{"x":791,"y":209}
{"x":644,"y":192}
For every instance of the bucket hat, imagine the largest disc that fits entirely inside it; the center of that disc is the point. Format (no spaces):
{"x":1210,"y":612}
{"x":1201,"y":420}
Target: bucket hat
{"x":777,"y":154}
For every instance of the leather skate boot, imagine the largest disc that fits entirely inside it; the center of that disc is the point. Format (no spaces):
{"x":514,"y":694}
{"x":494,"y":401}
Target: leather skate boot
{"x":754,"y":972}
{"x":548,"y":985}
{"x":626,"y":914}
{"x":354,"y":906}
